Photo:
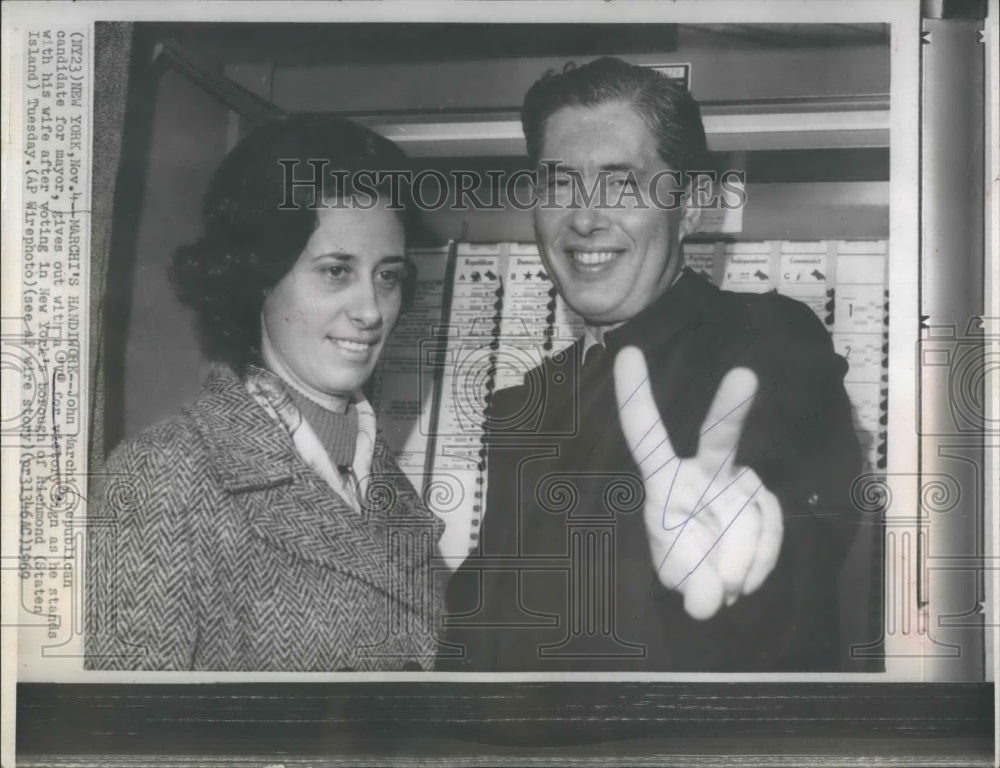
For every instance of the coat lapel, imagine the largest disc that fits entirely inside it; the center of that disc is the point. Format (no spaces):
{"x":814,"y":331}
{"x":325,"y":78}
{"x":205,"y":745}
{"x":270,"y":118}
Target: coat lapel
{"x":290,"y":506}
{"x":311,"y":522}
{"x":247,"y":448}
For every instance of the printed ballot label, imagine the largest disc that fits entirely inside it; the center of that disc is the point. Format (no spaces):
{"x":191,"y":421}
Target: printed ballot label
{"x":701,"y":258}
{"x":404,"y":380}
{"x":536,"y":321}
{"x":803,"y":266}
{"x":863,"y":353}
{"x":748,"y":267}
{"x":458,"y":475}
{"x":803,"y":274}
{"x":858,"y":308}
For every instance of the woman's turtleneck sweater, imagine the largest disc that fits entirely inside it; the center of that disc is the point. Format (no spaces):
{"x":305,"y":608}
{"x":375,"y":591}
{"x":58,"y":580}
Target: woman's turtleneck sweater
{"x":338,"y":432}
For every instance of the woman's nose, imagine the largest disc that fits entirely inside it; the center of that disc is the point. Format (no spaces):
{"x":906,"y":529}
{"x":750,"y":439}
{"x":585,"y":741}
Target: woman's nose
{"x":364,"y":310}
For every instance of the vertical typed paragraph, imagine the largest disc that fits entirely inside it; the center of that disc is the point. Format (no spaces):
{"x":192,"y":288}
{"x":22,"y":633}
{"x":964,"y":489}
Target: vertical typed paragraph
{"x":52,"y":331}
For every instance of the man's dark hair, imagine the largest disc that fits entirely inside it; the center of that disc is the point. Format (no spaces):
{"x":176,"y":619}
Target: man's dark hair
{"x":254,"y":231}
{"x":666,"y":106}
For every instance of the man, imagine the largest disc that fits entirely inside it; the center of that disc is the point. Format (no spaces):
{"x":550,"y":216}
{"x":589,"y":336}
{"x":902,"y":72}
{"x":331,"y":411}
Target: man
{"x":689,"y":517}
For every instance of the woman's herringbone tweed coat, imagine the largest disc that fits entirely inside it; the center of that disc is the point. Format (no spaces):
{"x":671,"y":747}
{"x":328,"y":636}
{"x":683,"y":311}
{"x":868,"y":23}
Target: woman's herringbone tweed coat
{"x":213,"y":546}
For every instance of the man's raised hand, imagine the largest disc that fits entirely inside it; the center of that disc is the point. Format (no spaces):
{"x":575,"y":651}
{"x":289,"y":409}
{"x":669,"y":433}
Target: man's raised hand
{"x":714,"y":530}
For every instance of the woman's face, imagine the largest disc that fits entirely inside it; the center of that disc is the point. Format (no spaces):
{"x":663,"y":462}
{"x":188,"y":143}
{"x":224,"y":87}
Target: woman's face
{"x":328,"y":318}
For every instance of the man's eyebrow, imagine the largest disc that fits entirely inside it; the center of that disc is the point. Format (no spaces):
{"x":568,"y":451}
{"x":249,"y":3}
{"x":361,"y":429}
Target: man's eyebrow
{"x":617,"y":167}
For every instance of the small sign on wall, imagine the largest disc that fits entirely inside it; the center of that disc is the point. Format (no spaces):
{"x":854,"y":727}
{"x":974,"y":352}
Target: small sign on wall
{"x":680,"y":72}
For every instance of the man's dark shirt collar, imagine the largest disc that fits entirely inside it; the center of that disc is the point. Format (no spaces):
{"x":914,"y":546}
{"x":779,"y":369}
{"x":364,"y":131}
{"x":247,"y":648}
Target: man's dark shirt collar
{"x":665,"y":317}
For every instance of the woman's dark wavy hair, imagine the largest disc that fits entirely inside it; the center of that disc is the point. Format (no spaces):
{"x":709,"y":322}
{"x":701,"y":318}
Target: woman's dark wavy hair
{"x":666,"y":106}
{"x":253,"y":236}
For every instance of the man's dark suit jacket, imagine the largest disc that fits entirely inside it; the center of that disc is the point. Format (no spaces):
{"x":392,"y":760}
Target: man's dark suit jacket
{"x":563,"y":578}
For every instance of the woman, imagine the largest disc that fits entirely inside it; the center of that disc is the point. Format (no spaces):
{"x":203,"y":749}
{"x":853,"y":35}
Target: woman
{"x":268,"y":527}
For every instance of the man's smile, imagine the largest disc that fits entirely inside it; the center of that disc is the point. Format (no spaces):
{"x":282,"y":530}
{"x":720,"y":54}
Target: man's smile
{"x":592,"y":260}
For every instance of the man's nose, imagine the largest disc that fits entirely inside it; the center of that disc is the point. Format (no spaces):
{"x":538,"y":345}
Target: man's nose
{"x":588,"y":218}
{"x":586,"y":221}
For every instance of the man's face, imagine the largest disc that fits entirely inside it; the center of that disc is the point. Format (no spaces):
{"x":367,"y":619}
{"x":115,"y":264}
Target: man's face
{"x":609,"y":261}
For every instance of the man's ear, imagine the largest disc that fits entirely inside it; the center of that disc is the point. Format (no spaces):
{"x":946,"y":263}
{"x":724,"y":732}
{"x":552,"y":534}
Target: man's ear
{"x":690,"y":214}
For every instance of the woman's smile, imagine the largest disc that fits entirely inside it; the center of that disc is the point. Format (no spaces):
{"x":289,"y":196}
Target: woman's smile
{"x":355,"y":348}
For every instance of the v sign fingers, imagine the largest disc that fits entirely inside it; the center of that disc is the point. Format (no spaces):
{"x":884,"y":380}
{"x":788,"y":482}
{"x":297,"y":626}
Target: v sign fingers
{"x":644,"y":431}
{"x":729,"y":494}
{"x":723,"y":425}
{"x":714,"y":531}
{"x":681,"y":535}
{"x":671,"y":505}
